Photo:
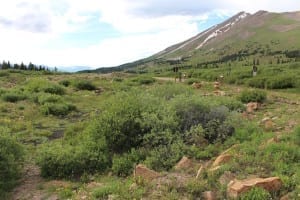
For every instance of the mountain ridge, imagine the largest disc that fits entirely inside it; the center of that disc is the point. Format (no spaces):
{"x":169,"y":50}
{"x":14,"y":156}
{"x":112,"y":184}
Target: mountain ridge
{"x":262,"y":34}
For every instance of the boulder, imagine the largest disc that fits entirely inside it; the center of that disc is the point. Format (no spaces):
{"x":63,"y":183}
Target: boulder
{"x":184,"y":163}
{"x":252,"y":106}
{"x":237,"y":187}
{"x":217,"y":85}
{"x":226,"y":178}
{"x":209,"y":195}
{"x":144,"y":172}
{"x":221,"y":159}
{"x":196,"y":85}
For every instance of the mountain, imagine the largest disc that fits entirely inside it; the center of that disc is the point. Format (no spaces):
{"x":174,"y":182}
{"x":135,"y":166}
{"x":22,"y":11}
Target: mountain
{"x":243,"y":37}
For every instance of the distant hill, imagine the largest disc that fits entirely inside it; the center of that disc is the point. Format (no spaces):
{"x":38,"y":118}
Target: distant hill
{"x":270,"y":37}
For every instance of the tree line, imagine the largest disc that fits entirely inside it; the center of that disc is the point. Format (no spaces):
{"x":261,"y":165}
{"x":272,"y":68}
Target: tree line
{"x":22,"y":66}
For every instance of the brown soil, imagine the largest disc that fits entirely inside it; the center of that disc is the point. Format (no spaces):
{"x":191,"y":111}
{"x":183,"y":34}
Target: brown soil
{"x":29,"y":186}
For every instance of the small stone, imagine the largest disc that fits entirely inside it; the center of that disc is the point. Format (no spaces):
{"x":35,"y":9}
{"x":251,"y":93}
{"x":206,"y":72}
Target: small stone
{"x":144,"y":172}
{"x":184,"y":163}
{"x":209,"y":195}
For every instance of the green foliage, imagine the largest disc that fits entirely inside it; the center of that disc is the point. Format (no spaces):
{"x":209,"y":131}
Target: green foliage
{"x":39,"y":85}
{"x":196,"y":187}
{"x":84,"y":85}
{"x":256,"y":193}
{"x":11,"y":157}
{"x":13,"y":96}
{"x":253,"y":96}
{"x":119,"y":190}
{"x":143,"y":80}
{"x":57,"y":109}
{"x":43,"y":98}
{"x":67,"y":161}
{"x":65,"y":83}
{"x":164,"y":157}
{"x":123,"y":165}
{"x":281,"y":82}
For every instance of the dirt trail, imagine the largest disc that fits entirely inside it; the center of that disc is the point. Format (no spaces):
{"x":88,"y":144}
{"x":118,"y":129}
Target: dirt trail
{"x":29,"y":186}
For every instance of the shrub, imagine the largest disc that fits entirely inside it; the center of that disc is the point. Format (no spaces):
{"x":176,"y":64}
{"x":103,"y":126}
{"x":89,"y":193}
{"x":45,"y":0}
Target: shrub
{"x":282,"y":82}
{"x":11,"y":157}
{"x":65,"y":83}
{"x":47,"y":98}
{"x":3,"y":74}
{"x":57,"y":109}
{"x":84,"y":85}
{"x":253,"y":96}
{"x":39,"y":85}
{"x":123,"y":165}
{"x":13,"y":96}
{"x":67,"y":161}
{"x":190,"y":81}
{"x":164,"y":157}
{"x":256,"y":193}
{"x":54,"y":89}
{"x":143,"y":80}
{"x":257,"y":82}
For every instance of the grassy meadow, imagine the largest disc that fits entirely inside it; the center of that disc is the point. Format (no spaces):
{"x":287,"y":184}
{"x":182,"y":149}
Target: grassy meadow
{"x":79,"y":136}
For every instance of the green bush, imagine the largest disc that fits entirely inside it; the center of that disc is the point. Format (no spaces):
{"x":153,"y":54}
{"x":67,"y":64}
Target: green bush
{"x":57,"y":109}
{"x":123,"y":165}
{"x":253,"y":96}
{"x":54,"y":89}
{"x":143,"y":80}
{"x":40,"y":85}
{"x":256,"y":193}
{"x":257,"y":82}
{"x":164,"y":157}
{"x":65,"y":83}
{"x":84,"y":85}
{"x":11,"y":158}
{"x":67,"y":161}
{"x":3,"y":74}
{"x":43,"y":98}
{"x":281,"y":82}
{"x":13,"y":96}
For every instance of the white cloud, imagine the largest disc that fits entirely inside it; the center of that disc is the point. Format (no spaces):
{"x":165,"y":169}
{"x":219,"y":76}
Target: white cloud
{"x":145,"y":27}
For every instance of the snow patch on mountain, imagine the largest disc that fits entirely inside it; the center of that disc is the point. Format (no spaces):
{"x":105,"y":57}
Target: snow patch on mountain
{"x":222,"y":29}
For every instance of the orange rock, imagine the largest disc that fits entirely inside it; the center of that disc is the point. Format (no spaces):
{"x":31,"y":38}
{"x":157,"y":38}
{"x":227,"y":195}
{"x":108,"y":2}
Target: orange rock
{"x":221,"y":159}
{"x":196,"y":85}
{"x":184,"y":163}
{"x":208,"y":195}
{"x":237,"y":187}
{"x":144,"y":172}
{"x":252,"y":106}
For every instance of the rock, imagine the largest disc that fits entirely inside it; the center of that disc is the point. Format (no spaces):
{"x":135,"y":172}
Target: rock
{"x":214,"y":168}
{"x":285,"y":197}
{"x":145,"y":173}
{"x":226,"y":178}
{"x":184,"y":163}
{"x":221,"y":159}
{"x":252,"y":106}
{"x":209,"y":195}
{"x":196,"y":85}
{"x":217,"y":85}
{"x":199,"y":172}
{"x":237,"y":187}
{"x":269,"y":125}
{"x":93,"y":184}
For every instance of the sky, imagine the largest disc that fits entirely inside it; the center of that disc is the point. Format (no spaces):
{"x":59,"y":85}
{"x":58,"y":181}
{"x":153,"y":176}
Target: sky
{"x":78,"y":34}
